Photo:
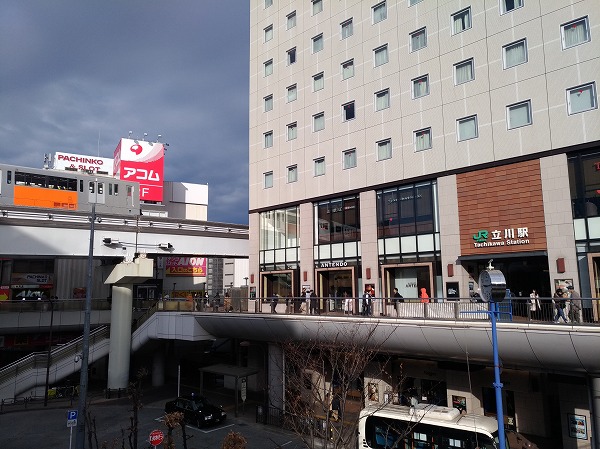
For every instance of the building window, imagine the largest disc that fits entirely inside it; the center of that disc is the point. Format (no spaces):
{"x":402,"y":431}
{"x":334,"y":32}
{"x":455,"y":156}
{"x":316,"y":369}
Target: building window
{"x":291,"y":20}
{"x":420,"y":86}
{"x":382,"y":99}
{"x":509,"y":5}
{"x":582,"y":98}
{"x":317,"y":6}
{"x":349,"y":157}
{"x":268,"y":137}
{"x":423,"y":139}
{"x":268,"y":3}
{"x":291,"y":56}
{"x":384,"y":149}
{"x":461,"y":21}
{"x":348,"y":111}
{"x":292,"y":173}
{"x":268,"y":103}
{"x":268,"y":180}
{"x":268,"y":33}
{"x":318,"y":81}
{"x":381,"y":55}
{"x":347,"y":69}
{"x":292,"y":93}
{"x":515,"y":53}
{"x":319,"y":121}
{"x":467,"y":128}
{"x":519,"y":114}
{"x":320,"y":166}
{"x":575,"y":32}
{"x":464,"y":72}
{"x":268,"y":67}
{"x":379,"y":12}
{"x":413,"y":2}
{"x":317,"y":43}
{"x":418,"y":39}
{"x":292,"y":131}
{"x":347,"y":29}
{"x":338,"y":221}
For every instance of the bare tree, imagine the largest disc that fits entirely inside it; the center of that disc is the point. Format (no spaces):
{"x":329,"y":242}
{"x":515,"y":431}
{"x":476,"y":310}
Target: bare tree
{"x":172,"y":420}
{"x":134,"y":393}
{"x":328,"y":381}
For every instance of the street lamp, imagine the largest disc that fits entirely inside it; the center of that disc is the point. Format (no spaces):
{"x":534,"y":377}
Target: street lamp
{"x":48,"y":359}
{"x":246,"y":281}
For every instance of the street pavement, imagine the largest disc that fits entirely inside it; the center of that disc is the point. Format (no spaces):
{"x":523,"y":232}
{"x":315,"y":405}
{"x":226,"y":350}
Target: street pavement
{"x":39,"y":427}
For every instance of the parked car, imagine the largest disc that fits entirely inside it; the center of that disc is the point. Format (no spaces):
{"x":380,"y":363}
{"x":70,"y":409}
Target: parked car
{"x":197,"y":410}
{"x":518,"y":441}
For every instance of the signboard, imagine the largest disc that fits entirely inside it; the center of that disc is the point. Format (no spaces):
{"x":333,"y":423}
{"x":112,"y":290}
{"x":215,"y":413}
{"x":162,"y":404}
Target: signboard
{"x":243,"y":390}
{"x":185,"y":266}
{"x":452,"y":291}
{"x":80,"y":162}
{"x":142,"y":162}
{"x":156,"y":437}
{"x":577,"y":426}
{"x":72,"y":418}
{"x":35,"y":279}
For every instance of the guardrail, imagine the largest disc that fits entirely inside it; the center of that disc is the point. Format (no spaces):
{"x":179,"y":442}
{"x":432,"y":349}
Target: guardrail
{"x":581,"y":311}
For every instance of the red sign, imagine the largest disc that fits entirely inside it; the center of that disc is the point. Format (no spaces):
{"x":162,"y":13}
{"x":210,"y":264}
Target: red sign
{"x":142,"y":162}
{"x":156,"y":437}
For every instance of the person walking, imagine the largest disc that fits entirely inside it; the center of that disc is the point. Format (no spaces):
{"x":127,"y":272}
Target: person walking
{"x":576,"y":305}
{"x":274,"y":301}
{"x":559,"y":305}
{"x":398,"y":298}
{"x":535,"y":306}
{"x":313,"y":303}
{"x":366,"y":303}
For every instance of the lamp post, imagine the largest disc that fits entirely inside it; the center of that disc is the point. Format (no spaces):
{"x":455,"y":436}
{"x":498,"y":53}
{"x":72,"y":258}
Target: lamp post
{"x":246,"y":281}
{"x":85,"y":349}
{"x":49,"y":358}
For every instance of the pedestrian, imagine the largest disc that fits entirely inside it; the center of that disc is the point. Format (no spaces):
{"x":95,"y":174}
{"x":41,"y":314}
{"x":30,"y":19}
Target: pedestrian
{"x":366,"y":303}
{"x":347,"y":304}
{"x":559,"y":305}
{"x":274,"y":301}
{"x":575,"y":312}
{"x":535,"y":306}
{"x":398,"y":298}
{"x":314,"y":308}
{"x":423,"y":295}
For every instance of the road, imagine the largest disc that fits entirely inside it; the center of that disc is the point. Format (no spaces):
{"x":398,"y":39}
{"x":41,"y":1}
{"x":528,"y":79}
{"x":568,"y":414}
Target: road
{"x":47,"y":428}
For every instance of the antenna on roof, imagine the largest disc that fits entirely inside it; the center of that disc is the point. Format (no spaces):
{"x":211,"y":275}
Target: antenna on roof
{"x":130,"y":133}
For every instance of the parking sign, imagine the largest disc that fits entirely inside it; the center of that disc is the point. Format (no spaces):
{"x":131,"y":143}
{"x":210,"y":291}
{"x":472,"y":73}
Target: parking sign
{"x":72,"y":418}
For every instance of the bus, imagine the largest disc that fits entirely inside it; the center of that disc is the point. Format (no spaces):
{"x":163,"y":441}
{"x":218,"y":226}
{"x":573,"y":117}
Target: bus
{"x":425,"y":426}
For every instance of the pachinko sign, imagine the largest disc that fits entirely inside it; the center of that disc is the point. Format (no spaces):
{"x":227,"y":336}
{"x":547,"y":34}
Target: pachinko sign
{"x":185,"y":266}
{"x":80,"y":162}
{"x":142,"y":162}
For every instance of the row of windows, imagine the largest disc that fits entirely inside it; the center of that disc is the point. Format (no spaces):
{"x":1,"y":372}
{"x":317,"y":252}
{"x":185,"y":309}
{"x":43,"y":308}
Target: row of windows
{"x":379,"y":11}
{"x":579,"y":99}
{"x":573,"y":33}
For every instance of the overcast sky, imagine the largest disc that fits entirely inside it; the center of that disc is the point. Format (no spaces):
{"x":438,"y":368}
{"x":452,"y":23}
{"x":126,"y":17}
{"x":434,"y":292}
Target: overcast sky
{"x":76,"y":76}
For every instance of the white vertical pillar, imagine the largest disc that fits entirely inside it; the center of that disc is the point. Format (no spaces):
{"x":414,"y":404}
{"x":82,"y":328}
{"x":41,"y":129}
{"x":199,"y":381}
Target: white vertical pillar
{"x":120,"y":336}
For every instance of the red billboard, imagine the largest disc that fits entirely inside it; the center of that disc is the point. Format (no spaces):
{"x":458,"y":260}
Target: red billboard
{"x":143,"y":162}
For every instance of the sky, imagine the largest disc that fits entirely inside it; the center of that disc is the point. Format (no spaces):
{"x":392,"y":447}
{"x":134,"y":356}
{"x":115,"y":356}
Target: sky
{"x":77,"y":76}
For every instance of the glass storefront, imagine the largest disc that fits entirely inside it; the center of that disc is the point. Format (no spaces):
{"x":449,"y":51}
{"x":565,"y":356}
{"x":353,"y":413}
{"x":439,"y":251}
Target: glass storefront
{"x":409,"y":240}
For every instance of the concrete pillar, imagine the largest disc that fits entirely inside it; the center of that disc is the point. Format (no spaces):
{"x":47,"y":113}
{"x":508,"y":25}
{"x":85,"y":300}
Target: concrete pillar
{"x":158,"y":368}
{"x":595,"y":411}
{"x":120,"y":336}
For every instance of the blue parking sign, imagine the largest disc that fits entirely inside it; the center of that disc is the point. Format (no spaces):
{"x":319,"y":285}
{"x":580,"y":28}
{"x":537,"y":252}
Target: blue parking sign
{"x":72,"y":414}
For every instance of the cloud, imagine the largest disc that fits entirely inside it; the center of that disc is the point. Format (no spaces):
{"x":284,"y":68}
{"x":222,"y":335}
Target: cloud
{"x":77,"y":76}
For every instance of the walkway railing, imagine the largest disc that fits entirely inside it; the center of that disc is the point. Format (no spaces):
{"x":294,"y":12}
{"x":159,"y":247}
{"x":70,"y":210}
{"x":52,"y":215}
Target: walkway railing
{"x":583,"y":311}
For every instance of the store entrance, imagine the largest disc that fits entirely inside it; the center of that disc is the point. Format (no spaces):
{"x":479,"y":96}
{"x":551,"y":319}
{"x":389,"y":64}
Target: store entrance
{"x":593,"y":313}
{"x":334,"y":285}
{"x":278,"y":283}
{"x":408,"y":279}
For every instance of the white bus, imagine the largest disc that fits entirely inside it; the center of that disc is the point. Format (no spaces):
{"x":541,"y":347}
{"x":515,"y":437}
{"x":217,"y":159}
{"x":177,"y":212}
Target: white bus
{"x":425,"y":426}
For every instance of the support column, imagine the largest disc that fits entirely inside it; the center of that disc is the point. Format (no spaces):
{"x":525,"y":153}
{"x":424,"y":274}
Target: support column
{"x":595,"y":411}
{"x":158,"y":368}
{"x":120,"y":336}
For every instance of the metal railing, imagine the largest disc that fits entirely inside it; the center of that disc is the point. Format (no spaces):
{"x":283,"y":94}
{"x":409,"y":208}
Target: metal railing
{"x":585,"y":311}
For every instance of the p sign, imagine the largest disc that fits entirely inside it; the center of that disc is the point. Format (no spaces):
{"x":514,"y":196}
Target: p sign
{"x":72,"y":418}
{"x":156,"y":437}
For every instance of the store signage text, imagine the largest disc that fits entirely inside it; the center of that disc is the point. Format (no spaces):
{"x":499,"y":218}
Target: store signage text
{"x":506,"y":237}
{"x":333,"y":264}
